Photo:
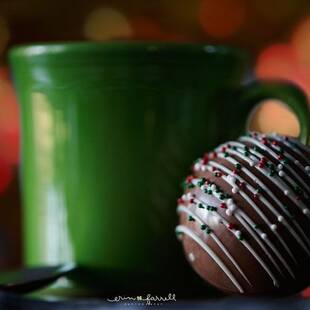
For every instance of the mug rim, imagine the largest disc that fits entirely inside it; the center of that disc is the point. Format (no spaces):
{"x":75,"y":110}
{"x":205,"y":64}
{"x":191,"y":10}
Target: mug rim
{"x":122,"y":48}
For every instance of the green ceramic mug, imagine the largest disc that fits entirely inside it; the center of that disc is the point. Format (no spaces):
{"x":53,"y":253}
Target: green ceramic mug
{"x":108,"y":132}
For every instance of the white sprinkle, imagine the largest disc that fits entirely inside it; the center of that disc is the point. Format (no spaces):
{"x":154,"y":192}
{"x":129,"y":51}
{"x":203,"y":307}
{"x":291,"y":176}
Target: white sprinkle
{"x":273,"y":227}
{"x":263,"y":236}
{"x":253,"y":163}
{"x":286,"y":192}
{"x":305,"y":211}
{"x":232,"y":207}
{"x":203,"y":168}
{"x":229,"y":201}
{"x":231,"y":179}
{"x":197,"y":167}
{"x":228,"y":212}
{"x":213,"y":187}
{"x":280,"y":218}
{"x":296,"y":162}
{"x":217,"y":220}
{"x":280,"y":166}
{"x":235,"y":190}
{"x":188,"y":196}
{"x":238,"y":233}
{"x":307,"y":168}
{"x":281,"y":173}
{"x":191,"y":256}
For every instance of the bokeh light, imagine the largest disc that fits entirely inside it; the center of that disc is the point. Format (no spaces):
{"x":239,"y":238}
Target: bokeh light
{"x":9,"y":120}
{"x":273,"y":116}
{"x":6,"y":175}
{"x":222,"y":18}
{"x":301,"y":42}
{"x":277,"y":61}
{"x":277,"y":11}
{"x":106,"y":23}
{"x":145,"y":28}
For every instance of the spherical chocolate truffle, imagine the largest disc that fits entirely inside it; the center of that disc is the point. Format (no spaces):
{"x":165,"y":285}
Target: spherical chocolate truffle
{"x":245,"y":218}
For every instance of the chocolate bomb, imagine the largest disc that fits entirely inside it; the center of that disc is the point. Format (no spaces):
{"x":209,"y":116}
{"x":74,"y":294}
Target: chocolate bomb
{"x":245,"y":218}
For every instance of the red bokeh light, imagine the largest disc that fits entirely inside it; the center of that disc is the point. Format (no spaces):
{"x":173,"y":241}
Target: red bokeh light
{"x":6,"y":175}
{"x":280,"y":61}
{"x":146,"y":28}
{"x":222,"y":18}
{"x":9,"y":120}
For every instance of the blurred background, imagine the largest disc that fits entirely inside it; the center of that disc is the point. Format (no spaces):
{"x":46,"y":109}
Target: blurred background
{"x":275,"y":32}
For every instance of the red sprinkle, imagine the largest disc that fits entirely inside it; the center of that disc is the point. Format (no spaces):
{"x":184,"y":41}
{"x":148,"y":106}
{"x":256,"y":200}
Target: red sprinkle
{"x":223,"y":205}
{"x":280,"y":157}
{"x":180,"y":201}
{"x":189,"y":179}
{"x":213,"y":169}
{"x":231,"y":226}
{"x":274,"y":142}
{"x":214,"y":154}
{"x":255,"y":196}
{"x":205,"y":158}
{"x":191,"y":200}
{"x":235,"y":171}
{"x":223,"y":149}
{"x":261,"y":165}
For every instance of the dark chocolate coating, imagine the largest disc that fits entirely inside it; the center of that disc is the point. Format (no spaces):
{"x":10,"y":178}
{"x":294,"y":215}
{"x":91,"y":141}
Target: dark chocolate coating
{"x":245,"y":218}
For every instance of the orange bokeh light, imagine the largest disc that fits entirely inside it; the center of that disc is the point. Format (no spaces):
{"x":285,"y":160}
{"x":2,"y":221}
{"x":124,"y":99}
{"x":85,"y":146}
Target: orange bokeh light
{"x":301,"y":42}
{"x":105,"y":23}
{"x":273,"y":116}
{"x":222,"y":18}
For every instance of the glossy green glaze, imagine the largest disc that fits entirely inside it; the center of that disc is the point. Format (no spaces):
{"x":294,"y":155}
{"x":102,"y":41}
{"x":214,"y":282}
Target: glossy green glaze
{"x":108,"y":133}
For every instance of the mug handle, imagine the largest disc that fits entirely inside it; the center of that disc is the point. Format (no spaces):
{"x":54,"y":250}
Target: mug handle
{"x":293,"y":97}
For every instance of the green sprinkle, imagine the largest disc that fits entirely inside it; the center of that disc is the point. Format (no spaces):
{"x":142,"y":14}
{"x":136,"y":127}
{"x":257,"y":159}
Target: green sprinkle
{"x":197,"y":161}
{"x":222,"y":196}
{"x":272,"y":173}
{"x":226,"y":154}
{"x":179,"y":233}
{"x":256,"y":149}
{"x":200,"y":205}
{"x":203,"y":226}
{"x":201,"y":182}
{"x":259,"y":190}
{"x":191,"y":219}
{"x":238,"y":166}
{"x":208,"y":231}
{"x":246,"y":148}
{"x":218,"y":190}
{"x":246,"y":154}
{"x":209,"y":192}
{"x":256,"y":226}
{"x":240,"y":237}
{"x":205,"y":191}
{"x":213,"y":208}
{"x":234,"y":148}
{"x":281,"y":151}
{"x":191,"y":185}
